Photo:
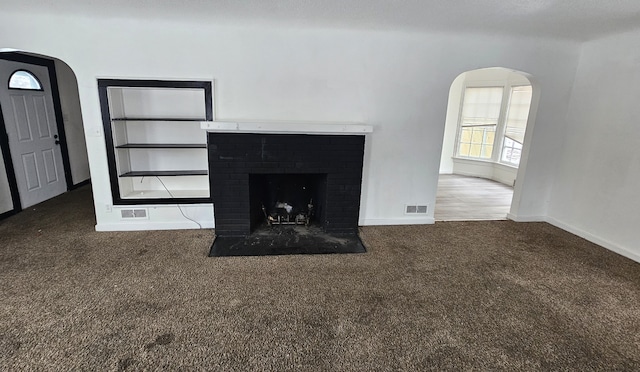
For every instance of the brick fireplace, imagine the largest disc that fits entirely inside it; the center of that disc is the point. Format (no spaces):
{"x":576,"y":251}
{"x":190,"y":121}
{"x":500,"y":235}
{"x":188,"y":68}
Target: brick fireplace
{"x":258,"y":179}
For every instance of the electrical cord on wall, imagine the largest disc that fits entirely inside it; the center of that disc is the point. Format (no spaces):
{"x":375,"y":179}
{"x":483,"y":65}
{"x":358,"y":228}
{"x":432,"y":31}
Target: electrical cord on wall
{"x":178,"y":205}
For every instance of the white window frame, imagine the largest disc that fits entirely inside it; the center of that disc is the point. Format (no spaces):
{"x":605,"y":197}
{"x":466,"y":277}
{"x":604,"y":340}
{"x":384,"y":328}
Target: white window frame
{"x":498,"y":142}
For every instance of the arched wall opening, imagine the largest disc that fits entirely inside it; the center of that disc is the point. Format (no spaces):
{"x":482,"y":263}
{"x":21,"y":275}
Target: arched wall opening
{"x":502,"y":164}
{"x":59,"y":104}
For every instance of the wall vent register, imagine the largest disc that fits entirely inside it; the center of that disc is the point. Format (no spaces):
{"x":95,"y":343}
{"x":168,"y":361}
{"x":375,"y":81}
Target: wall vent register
{"x":156,"y":149}
{"x":416,"y":209}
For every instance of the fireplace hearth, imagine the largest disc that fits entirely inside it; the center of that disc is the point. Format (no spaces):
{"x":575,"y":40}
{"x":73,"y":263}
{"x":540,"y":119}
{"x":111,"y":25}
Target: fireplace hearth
{"x":285,"y":193}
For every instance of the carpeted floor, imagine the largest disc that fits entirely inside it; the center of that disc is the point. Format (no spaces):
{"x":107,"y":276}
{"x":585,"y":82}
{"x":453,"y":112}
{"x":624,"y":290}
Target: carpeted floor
{"x":449,"y":296}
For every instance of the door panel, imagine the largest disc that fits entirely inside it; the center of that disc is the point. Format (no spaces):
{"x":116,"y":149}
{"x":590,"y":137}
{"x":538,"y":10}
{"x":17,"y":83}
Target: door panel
{"x":19,"y":106}
{"x":50,"y":166}
{"x":44,"y":126}
{"x":30,"y":166}
{"x":32,"y":130}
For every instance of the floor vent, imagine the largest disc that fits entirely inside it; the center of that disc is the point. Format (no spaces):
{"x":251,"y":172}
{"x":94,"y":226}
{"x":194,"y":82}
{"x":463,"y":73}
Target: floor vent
{"x":133,"y":213}
{"x":416,"y":209}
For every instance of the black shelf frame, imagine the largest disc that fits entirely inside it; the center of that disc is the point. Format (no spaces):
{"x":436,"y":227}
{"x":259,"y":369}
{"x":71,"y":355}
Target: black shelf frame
{"x":195,"y":172}
{"x":107,"y":120}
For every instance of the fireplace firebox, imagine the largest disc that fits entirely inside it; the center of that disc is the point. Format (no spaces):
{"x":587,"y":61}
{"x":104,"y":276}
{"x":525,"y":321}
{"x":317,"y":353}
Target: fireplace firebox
{"x":265,"y":186}
{"x":286,"y":199}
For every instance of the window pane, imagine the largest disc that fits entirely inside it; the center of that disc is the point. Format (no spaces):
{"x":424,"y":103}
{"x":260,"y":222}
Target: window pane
{"x":487,"y":151}
{"x":464,"y":149}
{"x":511,"y":152}
{"x":508,"y":142}
{"x":506,"y":154}
{"x":465,"y":136}
{"x":475,"y":151}
{"x":491,"y":135}
{"x":24,"y":80}
{"x":477,"y":135}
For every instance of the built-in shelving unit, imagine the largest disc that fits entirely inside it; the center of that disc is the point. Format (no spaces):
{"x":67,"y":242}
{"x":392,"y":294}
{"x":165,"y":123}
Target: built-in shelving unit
{"x":155,"y":146}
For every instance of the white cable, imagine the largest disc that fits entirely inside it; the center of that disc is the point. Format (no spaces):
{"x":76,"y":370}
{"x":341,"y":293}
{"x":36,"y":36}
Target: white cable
{"x":178,"y":205}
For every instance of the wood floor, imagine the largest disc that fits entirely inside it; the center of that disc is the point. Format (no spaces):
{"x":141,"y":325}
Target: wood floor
{"x":462,"y":198}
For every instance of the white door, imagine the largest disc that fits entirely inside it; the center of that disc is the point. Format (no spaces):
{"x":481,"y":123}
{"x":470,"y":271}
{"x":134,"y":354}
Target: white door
{"x":30,"y":121}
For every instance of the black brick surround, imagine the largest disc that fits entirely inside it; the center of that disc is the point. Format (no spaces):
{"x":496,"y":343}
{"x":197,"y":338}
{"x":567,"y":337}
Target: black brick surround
{"x":233,"y":157}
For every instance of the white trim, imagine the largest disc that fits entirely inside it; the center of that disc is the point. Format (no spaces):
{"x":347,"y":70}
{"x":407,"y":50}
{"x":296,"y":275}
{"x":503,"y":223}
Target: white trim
{"x":463,"y":219}
{"x":131,"y":225}
{"x":485,"y":169}
{"x":594,"y":239}
{"x":150,"y":205}
{"x":516,"y":218}
{"x":286,"y":127}
{"x":397,"y":221}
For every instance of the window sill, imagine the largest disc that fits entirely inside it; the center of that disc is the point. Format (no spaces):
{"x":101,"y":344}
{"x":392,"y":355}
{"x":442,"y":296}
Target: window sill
{"x":484,"y":161}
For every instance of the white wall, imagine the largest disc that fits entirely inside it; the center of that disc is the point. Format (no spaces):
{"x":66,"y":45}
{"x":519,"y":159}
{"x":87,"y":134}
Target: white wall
{"x":451,"y":124}
{"x":598,"y":176}
{"x":398,"y":82}
{"x":73,"y":126}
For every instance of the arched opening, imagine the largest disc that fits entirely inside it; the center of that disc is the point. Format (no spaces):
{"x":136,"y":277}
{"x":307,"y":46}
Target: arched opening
{"x":43,"y":149}
{"x":489,"y":115}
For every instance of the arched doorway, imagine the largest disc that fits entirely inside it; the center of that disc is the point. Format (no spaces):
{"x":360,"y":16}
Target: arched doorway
{"x":489,"y":117}
{"x":43,"y":150}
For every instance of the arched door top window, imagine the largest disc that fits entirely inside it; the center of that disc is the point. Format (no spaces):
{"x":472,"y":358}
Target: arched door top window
{"x":23,"y":79}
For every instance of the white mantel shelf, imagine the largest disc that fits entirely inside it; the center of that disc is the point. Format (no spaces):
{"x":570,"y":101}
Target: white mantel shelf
{"x":286,"y":127}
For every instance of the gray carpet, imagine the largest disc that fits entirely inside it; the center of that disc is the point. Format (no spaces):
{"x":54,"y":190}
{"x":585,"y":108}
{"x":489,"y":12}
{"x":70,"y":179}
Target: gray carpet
{"x":450,"y":296}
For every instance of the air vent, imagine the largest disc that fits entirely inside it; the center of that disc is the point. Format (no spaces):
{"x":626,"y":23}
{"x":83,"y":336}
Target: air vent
{"x":133,"y":213}
{"x":416,"y":209}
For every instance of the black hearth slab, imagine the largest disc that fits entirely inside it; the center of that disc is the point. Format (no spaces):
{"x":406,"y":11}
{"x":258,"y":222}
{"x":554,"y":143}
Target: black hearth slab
{"x":281,"y":240}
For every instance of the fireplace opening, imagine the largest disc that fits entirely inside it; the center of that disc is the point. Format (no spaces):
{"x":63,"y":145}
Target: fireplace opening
{"x":287,"y":200}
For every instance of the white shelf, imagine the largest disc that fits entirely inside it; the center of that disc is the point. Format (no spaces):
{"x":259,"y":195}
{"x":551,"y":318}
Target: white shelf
{"x":156,"y":194}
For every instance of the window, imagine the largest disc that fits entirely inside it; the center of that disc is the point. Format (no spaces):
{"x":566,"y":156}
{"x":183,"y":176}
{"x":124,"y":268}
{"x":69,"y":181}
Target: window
{"x":516,"y":124}
{"x":22,"y":79}
{"x":482,"y":120}
{"x":478,"y":122}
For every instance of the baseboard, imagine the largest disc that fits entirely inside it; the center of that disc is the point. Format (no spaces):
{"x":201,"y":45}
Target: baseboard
{"x":6,"y":214}
{"x":594,"y":239}
{"x":129,"y":226}
{"x":516,"y":218}
{"x":80,"y":184}
{"x":397,"y":221}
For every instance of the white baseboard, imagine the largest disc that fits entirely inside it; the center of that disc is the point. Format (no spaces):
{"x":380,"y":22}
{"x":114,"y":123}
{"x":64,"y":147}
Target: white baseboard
{"x":142,"y":226}
{"x":594,"y":239}
{"x":516,"y":218}
{"x":397,"y":221}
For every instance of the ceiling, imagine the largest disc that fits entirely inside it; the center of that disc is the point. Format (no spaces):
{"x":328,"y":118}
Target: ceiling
{"x":566,"y":19}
